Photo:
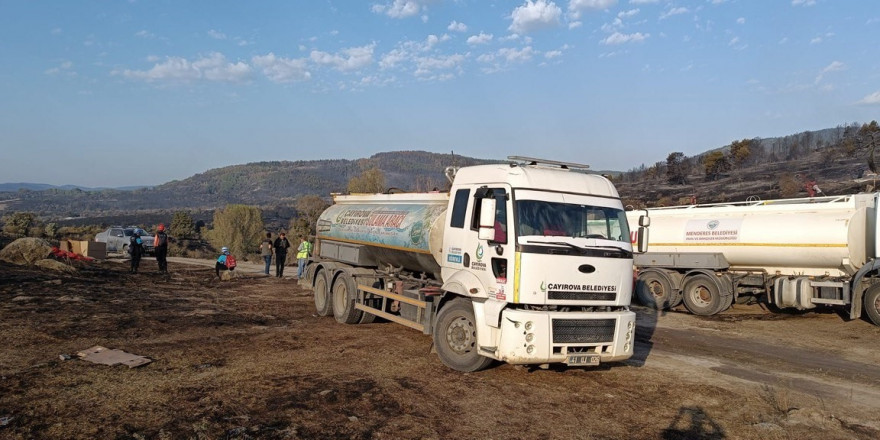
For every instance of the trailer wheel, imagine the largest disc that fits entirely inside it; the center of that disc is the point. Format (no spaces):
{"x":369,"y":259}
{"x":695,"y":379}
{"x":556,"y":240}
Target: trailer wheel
{"x":654,"y":290}
{"x":344,"y":291}
{"x":872,"y":303}
{"x":455,"y":337}
{"x":322,"y":294}
{"x":702,"y":296}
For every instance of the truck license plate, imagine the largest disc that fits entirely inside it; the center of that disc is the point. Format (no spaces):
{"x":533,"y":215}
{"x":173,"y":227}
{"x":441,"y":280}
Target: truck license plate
{"x":583,"y":360}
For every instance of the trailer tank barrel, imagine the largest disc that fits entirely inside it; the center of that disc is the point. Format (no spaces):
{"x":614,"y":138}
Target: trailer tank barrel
{"x":403,"y":230}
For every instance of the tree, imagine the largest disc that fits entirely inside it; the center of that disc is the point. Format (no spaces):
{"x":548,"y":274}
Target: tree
{"x":182,"y":225}
{"x":238,"y":227}
{"x":740,"y":151}
{"x":18,"y":224}
{"x":370,"y":181}
{"x":788,"y":185}
{"x":714,"y":164}
{"x":308,"y":209}
{"x":676,"y":172}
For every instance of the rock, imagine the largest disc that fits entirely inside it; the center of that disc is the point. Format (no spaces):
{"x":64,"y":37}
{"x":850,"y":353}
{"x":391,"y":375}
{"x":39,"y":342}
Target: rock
{"x":55,"y":265}
{"x":26,"y":251}
{"x":353,"y":418}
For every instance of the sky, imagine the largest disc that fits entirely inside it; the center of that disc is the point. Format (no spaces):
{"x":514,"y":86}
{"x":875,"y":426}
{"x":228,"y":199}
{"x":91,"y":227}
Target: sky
{"x":142,"y":92}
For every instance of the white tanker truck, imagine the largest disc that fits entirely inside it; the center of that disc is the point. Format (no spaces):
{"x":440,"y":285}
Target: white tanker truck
{"x":792,"y":253}
{"x":528,"y":263}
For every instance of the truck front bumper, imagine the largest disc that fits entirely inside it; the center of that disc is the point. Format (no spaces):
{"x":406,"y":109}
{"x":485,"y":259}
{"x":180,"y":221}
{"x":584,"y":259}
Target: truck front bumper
{"x":575,"y":338}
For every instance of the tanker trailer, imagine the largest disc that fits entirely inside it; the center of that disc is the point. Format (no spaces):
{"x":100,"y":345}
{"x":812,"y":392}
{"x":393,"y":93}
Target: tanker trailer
{"x":791,"y":253}
{"x":527,"y":263}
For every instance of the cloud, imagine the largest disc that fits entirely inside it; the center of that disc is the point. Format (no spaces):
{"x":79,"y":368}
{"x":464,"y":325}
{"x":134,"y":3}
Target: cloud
{"x":627,"y":14}
{"x":64,"y":67}
{"x":642,"y":2}
{"x":457,"y":27}
{"x":346,"y":60}
{"x":282,"y":70}
{"x":145,"y":34}
{"x":835,"y":66}
{"x":575,"y":24}
{"x":213,"y":67}
{"x":673,"y":11}
{"x":56,"y":31}
{"x":872,"y":99}
{"x":741,"y":20}
{"x":576,"y":7}
{"x":479,"y":39}
{"x":803,"y":2}
{"x":534,"y":15}
{"x":216,"y":35}
{"x":426,"y":66}
{"x":434,"y":40}
{"x":619,"y":38}
{"x":399,"y":8}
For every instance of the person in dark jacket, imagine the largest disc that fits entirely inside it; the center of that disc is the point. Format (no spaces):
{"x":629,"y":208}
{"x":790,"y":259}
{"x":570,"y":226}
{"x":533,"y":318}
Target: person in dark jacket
{"x":281,"y":245}
{"x":136,"y":249}
{"x":160,"y":244}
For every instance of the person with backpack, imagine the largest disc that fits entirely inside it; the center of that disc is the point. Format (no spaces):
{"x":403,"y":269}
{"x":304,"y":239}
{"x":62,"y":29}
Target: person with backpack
{"x":303,"y":252}
{"x":225,"y":261}
{"x":160,"y":244}
{"x":281,"y":245}
{"x":136,"y":250}
{"x":266,"y":251}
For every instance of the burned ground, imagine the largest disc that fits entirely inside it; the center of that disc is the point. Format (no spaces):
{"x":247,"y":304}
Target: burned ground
{"x":249,"y":358}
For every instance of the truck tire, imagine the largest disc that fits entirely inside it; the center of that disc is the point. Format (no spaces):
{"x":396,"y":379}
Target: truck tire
{"x":322,"y":294}
{"x":702,"y":296}
{"x":369,"y":318}
{"x":455,"y":337}
{"x":655,"y":290}
{"x":872,"y":303}
{"x":344,"y":293}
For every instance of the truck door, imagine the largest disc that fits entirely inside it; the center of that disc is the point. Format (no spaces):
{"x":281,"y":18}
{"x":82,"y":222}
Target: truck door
{"x":490,"y":260}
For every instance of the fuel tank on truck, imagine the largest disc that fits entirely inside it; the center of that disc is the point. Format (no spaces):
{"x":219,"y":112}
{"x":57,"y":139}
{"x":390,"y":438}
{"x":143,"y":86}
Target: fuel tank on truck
{"x":822,"y":236}
{"x":377,"y":230}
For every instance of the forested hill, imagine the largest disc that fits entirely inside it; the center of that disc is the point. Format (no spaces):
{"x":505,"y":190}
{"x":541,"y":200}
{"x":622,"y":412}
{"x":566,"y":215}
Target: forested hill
{"x":259,"y":183}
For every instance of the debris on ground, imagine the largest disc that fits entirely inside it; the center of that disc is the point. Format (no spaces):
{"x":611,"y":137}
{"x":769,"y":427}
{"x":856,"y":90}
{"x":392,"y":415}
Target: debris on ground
{"x":55,"y":265}
{"x":106,"y":356}
{"x":26,"y":251}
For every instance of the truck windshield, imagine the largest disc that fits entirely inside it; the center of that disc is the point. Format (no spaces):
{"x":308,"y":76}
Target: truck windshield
{"x":536,"y":217}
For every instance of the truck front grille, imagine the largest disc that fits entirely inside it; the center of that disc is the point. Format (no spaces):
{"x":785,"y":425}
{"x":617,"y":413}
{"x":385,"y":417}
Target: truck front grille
{"x":581,"y":296}
{"x":580,"y":331}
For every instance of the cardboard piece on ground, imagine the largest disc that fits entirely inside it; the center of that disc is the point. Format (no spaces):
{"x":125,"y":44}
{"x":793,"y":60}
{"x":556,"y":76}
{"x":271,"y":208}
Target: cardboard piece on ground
{"x":85,"y":248}
{"x":106,"y":356}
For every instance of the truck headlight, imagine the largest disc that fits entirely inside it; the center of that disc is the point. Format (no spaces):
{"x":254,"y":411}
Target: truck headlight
{"x":530,"y":337}
{"x":528,"y":325}
{"x":530,"y":349}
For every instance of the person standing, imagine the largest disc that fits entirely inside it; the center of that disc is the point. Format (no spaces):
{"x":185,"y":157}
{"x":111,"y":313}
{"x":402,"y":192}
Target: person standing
{"x":136,"y":249}
{"x":160,"y":244}
{"x":281,"y":245}
{"x":266,"y":251}
{"x":303,"y":252}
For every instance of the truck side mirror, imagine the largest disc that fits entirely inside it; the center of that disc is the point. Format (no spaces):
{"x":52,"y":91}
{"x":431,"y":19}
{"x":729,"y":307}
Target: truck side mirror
{"x":642,"y":239}
{"x":644,"y":220}
{"x":487,"y":219}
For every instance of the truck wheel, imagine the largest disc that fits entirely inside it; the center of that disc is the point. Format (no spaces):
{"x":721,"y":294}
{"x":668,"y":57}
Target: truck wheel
{"x":124,"y":249}
{"x":455,"y":337}
{"x":368,"y":318}
{"x":701,"y":295}
{"x":322,"y":294}
{"x":344,"y":291}
{"x":654,"y":290}
{"x":872,"y":303}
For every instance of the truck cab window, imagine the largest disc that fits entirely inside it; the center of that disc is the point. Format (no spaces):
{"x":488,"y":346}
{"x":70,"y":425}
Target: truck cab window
{"x":459,"y":208}
{"x":500,"y":225}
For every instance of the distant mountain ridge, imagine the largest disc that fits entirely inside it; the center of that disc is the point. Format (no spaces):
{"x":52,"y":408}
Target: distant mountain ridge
{"x":260,"y":183}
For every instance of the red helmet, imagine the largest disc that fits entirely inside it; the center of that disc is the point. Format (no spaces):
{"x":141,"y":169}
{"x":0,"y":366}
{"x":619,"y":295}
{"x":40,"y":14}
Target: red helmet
{"x":161,"y":227}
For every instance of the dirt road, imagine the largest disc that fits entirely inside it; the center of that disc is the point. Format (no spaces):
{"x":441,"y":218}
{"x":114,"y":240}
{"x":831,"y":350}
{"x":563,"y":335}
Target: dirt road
{"x":248,"y":358}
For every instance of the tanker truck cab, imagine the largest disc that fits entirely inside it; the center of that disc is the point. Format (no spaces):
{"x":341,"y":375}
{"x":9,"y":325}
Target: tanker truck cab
{"x":543,"y":253}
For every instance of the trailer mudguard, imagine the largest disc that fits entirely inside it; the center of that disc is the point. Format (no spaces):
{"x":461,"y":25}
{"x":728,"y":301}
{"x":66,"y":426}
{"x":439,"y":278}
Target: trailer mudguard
{"x":465,"y":284}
